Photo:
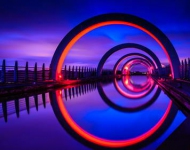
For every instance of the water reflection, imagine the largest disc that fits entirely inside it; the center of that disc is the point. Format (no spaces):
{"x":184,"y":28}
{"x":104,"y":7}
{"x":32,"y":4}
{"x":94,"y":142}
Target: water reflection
{"x":97,"y":115}
{"x":94,"y":124}
{"x":19,"y":103}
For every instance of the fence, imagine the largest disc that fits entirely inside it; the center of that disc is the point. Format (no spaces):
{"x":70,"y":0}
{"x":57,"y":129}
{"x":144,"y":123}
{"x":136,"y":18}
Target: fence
{"x":21,"y":74}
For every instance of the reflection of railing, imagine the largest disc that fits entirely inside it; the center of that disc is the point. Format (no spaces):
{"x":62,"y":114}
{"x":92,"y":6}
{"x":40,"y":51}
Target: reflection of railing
{"x":8,"y":107}
{"x":78,"y":90}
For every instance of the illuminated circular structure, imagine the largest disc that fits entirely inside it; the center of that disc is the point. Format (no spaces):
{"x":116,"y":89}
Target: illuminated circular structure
{"x":97,"y":142}
{"x":127,"y":45}
{"x":131,"y":54}
{"x":134,"y":61}
{"x":109,"y":19}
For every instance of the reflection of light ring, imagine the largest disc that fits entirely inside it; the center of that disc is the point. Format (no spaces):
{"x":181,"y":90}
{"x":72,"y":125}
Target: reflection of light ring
{"x":112,"y":19}
{"x":131,"y":87}
{"x":104,"y":142}
{"x":127,"y":109}
{"x":135,"y":96}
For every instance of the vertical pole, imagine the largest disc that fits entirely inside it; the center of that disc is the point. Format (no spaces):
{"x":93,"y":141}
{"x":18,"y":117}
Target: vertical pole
{"x":79,"y":73}
{"x":43,"y":72}
{"x":27,"y":104}
{"x":4,"y":107}
{"x":35,"y":72}
{"x":73,"y":73}
{"x":182,"y":69}
{"x":26,"y":72}
{"x":17,"y":107}
{"x":44,"y":99}
{"x":76,"y":72}
{"x":69,"y":72}
{"x":82,"y":72}
{"x":65,"y":72}
{"x":188,"y":68}
{"x":185,"y":69}
{"x":16,"y":72}
{"x":3,"y":72}
{"x":36,"y":101}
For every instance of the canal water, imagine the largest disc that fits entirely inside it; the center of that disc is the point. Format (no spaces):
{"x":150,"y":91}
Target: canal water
{"x":129,"y":113}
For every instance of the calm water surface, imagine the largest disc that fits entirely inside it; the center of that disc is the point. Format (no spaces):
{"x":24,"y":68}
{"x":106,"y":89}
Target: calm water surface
{"x":131,"y":112}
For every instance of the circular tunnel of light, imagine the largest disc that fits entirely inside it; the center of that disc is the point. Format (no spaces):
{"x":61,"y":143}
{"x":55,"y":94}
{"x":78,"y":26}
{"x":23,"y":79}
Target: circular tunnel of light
{"x":127,"y":45}
{"x":93,"y":141}
{"x":135,"y":61}
{"x":131,"y":54}
{"x":109,"y":19}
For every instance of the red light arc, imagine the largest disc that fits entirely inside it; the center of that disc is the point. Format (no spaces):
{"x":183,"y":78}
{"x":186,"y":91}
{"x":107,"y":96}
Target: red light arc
{"x":105,"y":142}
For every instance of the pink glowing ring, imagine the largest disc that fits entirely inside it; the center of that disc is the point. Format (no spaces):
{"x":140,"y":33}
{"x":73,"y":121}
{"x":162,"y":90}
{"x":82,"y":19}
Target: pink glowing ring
{"x":113,"y":19}
{"x":101,"y":141}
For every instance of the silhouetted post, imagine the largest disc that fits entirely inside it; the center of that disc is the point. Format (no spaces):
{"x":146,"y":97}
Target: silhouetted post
{"x":17,"y":107}
{"x":16,"y":72}
{"x":79,"y":74}
{"x":4,"y":105}
{"x":27,"y":104}
{"x":36,"y":101}
{"x":69,"y":93}
{"x":65,"y":92}
{"x":73,"y":73}
{"x":26,"y":72}
{"x":69,"y":72}
{"x":76,"y":72}
{"x":43,"y":72}
{"x":82,"y":72}
{"x":80,"y":89}
{"x":73,"y":91}
{"x":76,"y":90}
{"x":95,"y":73}
{"x":186,"y":69}
{"x":3,"y":72}
{"x":87,"y":72}
{"x":65,"y":72}
{"x":182,"y":69}
{"x":35,"y":73}
{"x":44,"y":99}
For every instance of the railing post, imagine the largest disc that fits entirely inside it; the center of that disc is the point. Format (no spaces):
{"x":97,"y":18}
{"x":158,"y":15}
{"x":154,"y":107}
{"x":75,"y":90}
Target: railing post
{"x":43,"y":72}
{"x":185,"y":69}
{"x":35,"y":72}
{"x":188,"y":68}
{"x":79,"y":73}
{"x":16,"y":72}
{"x":76,"y":73}
{"x":69,"y":72}
{"x":182,"y":69}
{"x":82,"y":72}
{"x":3,"y":72}
{"x":65,"y":72}
{"x":26,"y":72}
{"x":73,"y":73}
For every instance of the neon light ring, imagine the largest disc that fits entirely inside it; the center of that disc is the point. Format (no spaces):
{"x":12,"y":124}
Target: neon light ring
{"x":102,"y":20}
{"x":96,"y":142}
{"x":109,"y":19}
{"x":127,"y":45}
{"x":131,"y":54}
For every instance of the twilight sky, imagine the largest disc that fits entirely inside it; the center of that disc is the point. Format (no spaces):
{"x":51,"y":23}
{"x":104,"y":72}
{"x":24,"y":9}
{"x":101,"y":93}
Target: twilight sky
{"x":30,"y":30}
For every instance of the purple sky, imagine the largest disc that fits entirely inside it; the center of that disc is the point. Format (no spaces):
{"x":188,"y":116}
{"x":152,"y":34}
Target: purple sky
{"x":30,"y":30}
